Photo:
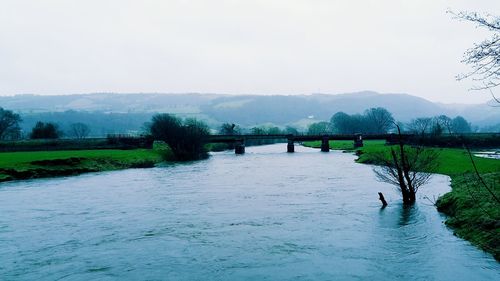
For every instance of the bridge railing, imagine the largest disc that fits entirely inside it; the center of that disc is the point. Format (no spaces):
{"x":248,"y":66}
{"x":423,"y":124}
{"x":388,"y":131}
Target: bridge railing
{"x":234,"y":138}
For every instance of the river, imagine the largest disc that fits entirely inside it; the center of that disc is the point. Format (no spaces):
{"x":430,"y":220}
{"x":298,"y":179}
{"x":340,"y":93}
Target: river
{"x":264,"y":215}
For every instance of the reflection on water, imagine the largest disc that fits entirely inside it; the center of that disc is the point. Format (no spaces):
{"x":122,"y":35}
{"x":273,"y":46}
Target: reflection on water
{"x":265,"y":215}
{"x":408,"y":215}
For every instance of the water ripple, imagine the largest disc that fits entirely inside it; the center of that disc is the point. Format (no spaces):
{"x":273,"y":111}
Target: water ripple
{"x":265,"y":215}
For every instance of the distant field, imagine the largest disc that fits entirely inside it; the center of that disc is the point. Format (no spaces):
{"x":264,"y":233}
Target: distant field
{"x":452,"y":161}
{"x":347,"y":144}
{"x":110,"y":142}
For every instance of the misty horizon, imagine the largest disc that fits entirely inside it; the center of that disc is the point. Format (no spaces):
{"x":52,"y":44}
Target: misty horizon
{"x":487,"y":101}
{"x":278,"y":47}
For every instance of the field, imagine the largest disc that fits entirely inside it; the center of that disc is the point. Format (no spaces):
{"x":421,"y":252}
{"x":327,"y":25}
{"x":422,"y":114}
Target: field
{"x":110,"y":142}
{"x":37,"y":164}
{"x":452,"y":161}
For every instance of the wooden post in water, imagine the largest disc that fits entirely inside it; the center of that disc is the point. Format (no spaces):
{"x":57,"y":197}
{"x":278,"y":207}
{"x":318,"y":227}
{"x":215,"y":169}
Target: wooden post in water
{"x":325,"y":146}
{"x":290,"y":148}
{"x":382,"y":199}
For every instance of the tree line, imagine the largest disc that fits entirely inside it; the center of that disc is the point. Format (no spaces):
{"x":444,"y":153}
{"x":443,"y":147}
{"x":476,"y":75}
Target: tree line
{"x":100,"y":124}
{"x":10,"y":129}
{"x":377,"y":120}
{"x":380,"y":121}
{"x":373,"y":121}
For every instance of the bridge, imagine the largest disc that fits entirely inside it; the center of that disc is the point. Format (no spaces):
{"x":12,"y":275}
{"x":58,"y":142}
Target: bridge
{"x":239,"y":140}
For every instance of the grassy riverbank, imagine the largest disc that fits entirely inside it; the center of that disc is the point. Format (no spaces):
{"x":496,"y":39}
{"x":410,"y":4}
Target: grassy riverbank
{"x":39,"y":164}
{"x":472,"y":213}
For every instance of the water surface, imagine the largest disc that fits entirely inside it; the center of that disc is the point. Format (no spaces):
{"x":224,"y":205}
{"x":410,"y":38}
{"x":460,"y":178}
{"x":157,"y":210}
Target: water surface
{"x":265,"y":215}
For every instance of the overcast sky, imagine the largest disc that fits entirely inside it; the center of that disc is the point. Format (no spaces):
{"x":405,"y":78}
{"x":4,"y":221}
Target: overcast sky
{"x":238,"y":47}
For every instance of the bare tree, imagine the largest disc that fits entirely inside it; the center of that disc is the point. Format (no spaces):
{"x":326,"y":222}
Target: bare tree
{"x":342,"y":123}
{"x":460,"y":125}
{"x":79,"y":130}
{"x":420,"y":126}
{"x":408,"y":168}
{"x":485,"y":61}
{"x":319,"y":128}
{"x":379,"y":119}
{"x":289,"y":130}
{"x":229,"y":129}
{"x":445,"y":122}
{"x":484,"y":57}
{"x":9,"y":124}
{"x":45,"y":131}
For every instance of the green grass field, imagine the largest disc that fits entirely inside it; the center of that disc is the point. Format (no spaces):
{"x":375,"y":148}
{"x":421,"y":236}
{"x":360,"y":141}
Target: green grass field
{"x":452,"y":161}
{"x":342,"y":144}
{"x":22,"y":160}
{"x":37,"y":164}
{"x":472,"y":212}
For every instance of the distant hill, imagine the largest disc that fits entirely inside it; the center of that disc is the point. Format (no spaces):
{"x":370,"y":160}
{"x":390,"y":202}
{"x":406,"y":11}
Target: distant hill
{"x":108,"y":102}
{"x":285,"y":109}
{"x":248,"y":110}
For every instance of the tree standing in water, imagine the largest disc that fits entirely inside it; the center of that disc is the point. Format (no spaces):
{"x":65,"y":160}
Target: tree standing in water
{"x":406,"y":167}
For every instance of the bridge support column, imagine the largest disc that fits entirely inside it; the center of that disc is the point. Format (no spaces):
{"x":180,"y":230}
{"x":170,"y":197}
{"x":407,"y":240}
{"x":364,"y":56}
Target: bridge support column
{"x":358,"y":140}
{"x":325,"y":146}
{"x":290,"y":146}
{"x":239,"y":147}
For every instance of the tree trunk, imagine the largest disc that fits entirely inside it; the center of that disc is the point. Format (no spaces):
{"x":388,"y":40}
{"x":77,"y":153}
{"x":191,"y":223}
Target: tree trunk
{"x":408,"y":197}
{"x":409,"y":194}
{"x":401,"y":179}
{"x":412,"y":197}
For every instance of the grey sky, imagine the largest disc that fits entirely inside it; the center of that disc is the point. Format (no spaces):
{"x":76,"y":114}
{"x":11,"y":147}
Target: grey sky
{"x":238,"y":47}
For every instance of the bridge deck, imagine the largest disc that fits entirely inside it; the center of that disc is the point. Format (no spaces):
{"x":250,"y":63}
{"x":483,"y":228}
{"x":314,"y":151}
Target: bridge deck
{"x":235,"y":138}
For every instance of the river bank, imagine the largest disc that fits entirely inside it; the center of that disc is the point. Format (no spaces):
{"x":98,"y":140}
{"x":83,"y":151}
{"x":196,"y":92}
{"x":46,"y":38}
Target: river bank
{"x":23,"y":165}
{"x":43,"y":164}
{"x":472,"y":214}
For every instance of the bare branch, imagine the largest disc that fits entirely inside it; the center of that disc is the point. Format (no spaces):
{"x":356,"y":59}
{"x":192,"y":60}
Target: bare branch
{"x":484,"y":58}
{"x":407,"y":168}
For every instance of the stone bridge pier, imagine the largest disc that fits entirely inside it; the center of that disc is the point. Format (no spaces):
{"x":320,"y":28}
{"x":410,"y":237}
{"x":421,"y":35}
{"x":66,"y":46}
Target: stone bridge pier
{"x":325,"y":145}
{"x":358,"y":140}
{"x":290,"y":148}
{"x":239,"y":147}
